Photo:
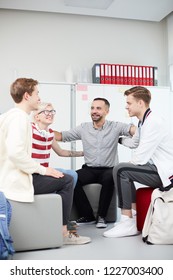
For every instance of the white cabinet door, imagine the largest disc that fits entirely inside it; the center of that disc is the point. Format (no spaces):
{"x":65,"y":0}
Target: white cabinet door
{"x":60,"y":97}
{"x":161,"y":102}
{"x":85,"y":94}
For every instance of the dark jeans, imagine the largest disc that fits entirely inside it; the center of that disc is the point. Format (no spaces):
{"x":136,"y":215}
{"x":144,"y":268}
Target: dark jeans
{"x":89,"y":175}
{"x":62,"y":186}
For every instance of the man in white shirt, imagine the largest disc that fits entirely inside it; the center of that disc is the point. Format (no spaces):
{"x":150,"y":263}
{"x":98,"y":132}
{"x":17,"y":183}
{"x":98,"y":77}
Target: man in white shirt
{"x":151,"y":164}
{"x":21,"y":176}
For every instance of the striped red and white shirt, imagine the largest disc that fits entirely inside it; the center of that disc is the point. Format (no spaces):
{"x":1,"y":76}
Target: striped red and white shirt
{"x":41,"y":145}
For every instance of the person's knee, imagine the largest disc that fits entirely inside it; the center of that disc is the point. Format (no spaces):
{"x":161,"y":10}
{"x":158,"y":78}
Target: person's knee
{"x":107,"y":182}
{"x":69,"y":180}
{"x":118,"y":169}
{"x":75,"y":176}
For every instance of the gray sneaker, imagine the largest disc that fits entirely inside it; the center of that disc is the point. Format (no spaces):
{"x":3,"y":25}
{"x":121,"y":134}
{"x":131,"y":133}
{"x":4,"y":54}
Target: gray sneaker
{"x":74,"y":239}
{"x":101,"y":222}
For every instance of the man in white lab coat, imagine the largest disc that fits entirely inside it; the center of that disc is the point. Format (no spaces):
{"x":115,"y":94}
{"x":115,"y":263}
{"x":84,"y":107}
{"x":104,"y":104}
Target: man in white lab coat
{"x":151,"y":164}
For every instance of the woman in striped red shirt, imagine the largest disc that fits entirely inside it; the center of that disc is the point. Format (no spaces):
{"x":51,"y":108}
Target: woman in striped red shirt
{"x":44,"y":141}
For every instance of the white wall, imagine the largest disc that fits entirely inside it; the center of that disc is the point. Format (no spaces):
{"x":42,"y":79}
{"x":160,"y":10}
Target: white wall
{"x":43,"y":45}
{"x":170,"y":49}
{"x":170,"y":38}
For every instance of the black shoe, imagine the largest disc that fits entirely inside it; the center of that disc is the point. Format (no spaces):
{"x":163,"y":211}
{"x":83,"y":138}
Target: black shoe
{"x":85,"y":221}
{"x":101,"y":222}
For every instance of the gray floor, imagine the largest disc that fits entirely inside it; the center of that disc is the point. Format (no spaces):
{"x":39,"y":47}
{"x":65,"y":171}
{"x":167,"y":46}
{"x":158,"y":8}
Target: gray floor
{"x":101,"y":248}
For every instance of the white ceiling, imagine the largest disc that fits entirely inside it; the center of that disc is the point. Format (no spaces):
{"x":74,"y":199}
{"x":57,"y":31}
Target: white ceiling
{"x":150,"y":10}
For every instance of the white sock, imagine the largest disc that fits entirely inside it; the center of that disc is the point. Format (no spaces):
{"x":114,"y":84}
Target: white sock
{"x":133,"y":213}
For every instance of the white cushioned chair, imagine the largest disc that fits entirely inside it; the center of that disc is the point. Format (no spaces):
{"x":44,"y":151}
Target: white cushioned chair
{"x":37,"y":225}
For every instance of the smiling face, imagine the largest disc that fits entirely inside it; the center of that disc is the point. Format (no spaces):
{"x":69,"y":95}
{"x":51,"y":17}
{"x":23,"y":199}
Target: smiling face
{"x":44,"y":116}
{"x":99,"y":110}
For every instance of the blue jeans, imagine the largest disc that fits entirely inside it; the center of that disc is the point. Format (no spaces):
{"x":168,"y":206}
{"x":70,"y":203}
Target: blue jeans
{"x":69,"y":172}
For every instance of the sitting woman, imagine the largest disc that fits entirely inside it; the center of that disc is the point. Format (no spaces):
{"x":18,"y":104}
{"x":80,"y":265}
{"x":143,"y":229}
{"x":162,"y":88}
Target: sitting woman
{"x":44,"y":141}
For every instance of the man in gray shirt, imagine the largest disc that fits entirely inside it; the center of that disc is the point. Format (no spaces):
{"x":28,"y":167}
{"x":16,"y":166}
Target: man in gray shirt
{"x":100,"y":140}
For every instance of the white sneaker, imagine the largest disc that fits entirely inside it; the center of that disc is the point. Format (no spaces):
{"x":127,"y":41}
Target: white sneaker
{"x":124,"y":217}
{"x":123,"y":228}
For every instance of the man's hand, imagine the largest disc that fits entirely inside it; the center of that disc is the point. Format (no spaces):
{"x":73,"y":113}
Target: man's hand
{"x":53,"y":172}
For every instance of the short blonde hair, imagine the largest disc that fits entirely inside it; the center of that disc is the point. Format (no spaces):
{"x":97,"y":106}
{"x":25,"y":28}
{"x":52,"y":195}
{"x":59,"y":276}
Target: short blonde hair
{"x":42,"y":106}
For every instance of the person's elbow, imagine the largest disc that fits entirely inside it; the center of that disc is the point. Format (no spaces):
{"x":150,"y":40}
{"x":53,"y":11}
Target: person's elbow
{"x":58,"y":135}
{"x":15,"y":155}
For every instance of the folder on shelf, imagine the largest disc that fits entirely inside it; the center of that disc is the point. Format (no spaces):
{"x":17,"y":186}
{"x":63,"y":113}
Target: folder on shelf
{"x":133,"y":82}
{"x":155,"y":76}
{"x":136,"y":75}
{"x":147,"y":76}
{"x":125,"y":75}
{"x":129,"y":74}
{"x":121,"y":69}
{"x":151,"y":76}
{"x":113,"y":73}
{"x":96,"y":73}
{"x":117,"y":77}
{"x":144,"y":81}
{"x":109,"y":73}
{"x":106,"y":72}
{"x":102,"y":73}
{"x":140,"y":81}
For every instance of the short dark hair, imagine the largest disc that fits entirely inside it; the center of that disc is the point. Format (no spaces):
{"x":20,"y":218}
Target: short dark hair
{"x":139,"y":92}
{"x":104,"y":100}
{"x":20,"y":86}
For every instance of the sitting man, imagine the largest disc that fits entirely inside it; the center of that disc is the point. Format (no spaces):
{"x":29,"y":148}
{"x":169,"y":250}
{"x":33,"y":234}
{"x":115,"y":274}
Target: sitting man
{"x":20,"y":175}
{"x":100,"y":140}
{"x":151,"y":164}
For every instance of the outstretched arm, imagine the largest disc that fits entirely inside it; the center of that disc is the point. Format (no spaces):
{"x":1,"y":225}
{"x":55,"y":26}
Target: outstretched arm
{"x":65,"y":153}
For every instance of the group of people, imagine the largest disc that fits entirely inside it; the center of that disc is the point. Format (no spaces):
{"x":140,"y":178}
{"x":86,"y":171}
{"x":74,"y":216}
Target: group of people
{"x":25,"y":153}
